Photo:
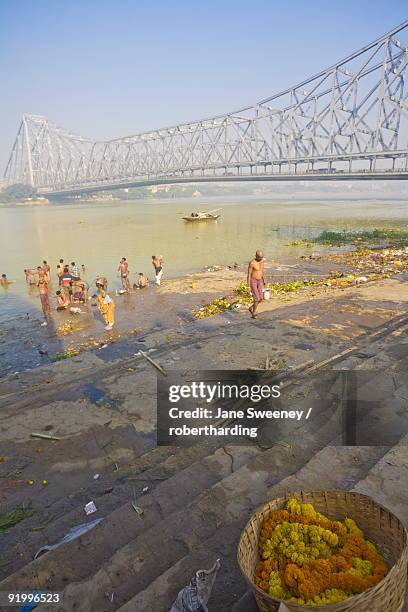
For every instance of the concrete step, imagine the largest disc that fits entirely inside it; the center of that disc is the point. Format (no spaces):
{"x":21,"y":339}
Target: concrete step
{"x":59,"y":506}
{"x":349,"y":466}
{"x":246,"y":603}
{"x":173,"y":484}
{"x":133,"y":567}
{"x":197,"y":510}
{"x":109,"y":492}
{"x":385,"y":482}
{"x":122,"y":522}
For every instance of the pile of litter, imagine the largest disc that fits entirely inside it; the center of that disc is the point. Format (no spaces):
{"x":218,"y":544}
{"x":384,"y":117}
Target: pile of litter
{"x":370,"y":265}
{"x":244,"y":297}
{"x":375,"y":261}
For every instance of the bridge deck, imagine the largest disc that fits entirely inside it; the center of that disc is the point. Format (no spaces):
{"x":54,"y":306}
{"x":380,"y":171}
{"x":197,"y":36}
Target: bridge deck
{"x":344,"y":176}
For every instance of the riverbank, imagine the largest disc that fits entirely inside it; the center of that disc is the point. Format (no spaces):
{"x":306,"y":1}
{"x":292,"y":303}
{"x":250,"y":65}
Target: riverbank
{"x":25,"y":343}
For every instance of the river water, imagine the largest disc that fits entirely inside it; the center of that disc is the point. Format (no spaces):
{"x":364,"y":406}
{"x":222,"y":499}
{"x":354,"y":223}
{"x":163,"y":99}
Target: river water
{"x":98,"y":234}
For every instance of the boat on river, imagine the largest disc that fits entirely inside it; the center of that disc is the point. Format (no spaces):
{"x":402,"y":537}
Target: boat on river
{"x":202,"y":216}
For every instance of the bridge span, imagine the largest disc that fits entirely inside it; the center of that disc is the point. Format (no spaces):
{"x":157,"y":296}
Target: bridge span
{"x":334,"y":176}
{"x":348,"y":122}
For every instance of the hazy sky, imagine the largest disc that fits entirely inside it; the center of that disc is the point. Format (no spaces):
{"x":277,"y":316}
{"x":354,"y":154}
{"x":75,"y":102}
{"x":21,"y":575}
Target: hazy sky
{"x":105,"y":69}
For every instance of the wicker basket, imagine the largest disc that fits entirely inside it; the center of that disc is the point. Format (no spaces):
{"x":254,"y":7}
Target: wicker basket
{"x":379,"y":525}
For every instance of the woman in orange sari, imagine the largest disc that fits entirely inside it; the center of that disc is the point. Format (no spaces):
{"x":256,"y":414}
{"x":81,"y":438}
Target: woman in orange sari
{"x":107,"y":309}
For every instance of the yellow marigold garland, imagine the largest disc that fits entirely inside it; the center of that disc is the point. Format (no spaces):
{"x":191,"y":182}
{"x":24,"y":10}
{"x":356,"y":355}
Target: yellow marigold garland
{"x":309,"y":559}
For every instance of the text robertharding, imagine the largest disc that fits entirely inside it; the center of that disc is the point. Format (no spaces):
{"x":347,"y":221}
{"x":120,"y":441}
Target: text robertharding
{"x":221,"y":419}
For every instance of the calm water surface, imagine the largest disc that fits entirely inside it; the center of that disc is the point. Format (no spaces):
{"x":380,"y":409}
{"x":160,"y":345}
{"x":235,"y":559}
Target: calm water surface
{"x":99,"y":234}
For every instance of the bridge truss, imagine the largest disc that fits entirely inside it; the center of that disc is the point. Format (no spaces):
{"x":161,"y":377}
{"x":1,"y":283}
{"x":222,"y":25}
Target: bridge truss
{"x":348,"y":121}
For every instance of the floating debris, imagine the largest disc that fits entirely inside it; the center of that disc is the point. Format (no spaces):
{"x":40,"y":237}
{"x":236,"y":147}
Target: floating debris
{"x":391,"y":236}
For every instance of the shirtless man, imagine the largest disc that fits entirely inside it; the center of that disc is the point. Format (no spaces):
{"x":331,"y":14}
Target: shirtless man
{"x":62,"y":301}
{"x":60,"y":271}
{"x":157,"y":263}
{"x":4,"y":281}
{"x":43,"y":291}
{"x":256,"y":280}
{"x":142,"y":281}
{"x":29,"y":274}
{"x":124,"y":273}
{"x":47,"y":271}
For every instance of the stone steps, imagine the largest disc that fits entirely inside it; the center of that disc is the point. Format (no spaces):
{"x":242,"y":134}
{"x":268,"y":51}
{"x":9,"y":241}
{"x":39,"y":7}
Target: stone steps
{"x":123,"y":518}
{"x":151,"y":469}
{"x":152,"y":552}
{"x":349,"y":466}
{"x":385,"y":482}
{"x":173,"y":482}
{"x":197,"y":504}
{"x":156,"y":555}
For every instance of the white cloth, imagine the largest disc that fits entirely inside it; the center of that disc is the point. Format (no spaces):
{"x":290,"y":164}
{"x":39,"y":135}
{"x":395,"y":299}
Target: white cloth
{"x":158,"y":276}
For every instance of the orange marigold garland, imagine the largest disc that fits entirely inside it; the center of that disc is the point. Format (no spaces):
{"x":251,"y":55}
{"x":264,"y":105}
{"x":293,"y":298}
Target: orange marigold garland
{"x":307,"y":558}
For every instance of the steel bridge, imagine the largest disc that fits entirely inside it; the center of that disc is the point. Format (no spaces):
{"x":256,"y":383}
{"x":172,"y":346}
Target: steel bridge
{"x":349,"y":121}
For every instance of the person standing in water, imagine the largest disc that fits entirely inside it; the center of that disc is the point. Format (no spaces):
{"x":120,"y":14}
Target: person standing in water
{"x":47,"y":271}
{"x":124,"y":273}
{"x":66,"y":283}
{"x":256,"y":280}
{"x":107,"y":309}
{"x":74,"y":271}
{"x":157,"y":263}
{"x":60,"y":271}
{"x":29,"y":274}
{"x":42,"y":285}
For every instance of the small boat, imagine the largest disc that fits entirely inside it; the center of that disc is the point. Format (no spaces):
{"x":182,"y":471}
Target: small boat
{"x":202,"y":216}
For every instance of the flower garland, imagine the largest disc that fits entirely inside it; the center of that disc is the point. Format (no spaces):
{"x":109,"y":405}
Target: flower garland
{"x":309,"y":559}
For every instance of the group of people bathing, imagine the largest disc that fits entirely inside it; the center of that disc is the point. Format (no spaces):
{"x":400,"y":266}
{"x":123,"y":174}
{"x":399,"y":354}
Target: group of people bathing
{"x":75,"y":290}
{"x":72,"y":289}
{"x":142,"y":281}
